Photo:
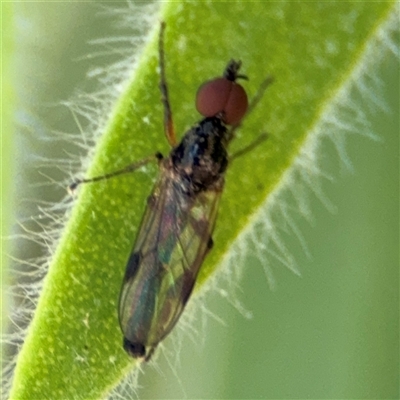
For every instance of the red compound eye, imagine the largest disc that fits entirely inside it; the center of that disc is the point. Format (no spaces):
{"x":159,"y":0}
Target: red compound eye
{"x":221,"y":95}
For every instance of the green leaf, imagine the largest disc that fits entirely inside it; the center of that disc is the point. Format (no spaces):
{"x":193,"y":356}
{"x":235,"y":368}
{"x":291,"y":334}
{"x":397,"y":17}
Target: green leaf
{"x":8,"y":103}
{"x":73,"y":348}
{"x":7,"y":150}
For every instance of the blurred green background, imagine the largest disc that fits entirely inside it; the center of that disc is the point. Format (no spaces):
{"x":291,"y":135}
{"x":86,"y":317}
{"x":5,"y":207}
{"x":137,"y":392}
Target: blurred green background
{"x":333,"y":333}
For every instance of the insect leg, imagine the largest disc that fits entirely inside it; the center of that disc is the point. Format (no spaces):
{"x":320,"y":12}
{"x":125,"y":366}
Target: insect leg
{"x":129,"y":168}
{"x":168,"y":123}
{"x":250,"y":147}
{"x":253,"y":103}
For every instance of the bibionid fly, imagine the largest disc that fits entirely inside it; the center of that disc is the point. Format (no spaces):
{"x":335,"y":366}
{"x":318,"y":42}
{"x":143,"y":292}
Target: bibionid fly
{"x":175,"y":234}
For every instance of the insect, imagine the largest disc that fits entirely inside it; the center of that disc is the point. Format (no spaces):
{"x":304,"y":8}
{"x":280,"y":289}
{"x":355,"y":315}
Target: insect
{"x":175,"y":234}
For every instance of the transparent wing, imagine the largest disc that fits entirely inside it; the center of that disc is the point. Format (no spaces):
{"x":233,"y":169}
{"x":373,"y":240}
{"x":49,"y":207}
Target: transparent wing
{"x":172,"y":242}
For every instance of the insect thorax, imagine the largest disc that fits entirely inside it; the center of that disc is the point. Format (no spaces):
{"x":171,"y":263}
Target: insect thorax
{"x":201,"y":157}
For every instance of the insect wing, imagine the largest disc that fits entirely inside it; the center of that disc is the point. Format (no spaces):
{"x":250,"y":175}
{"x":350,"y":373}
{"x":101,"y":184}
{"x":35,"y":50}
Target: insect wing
{"x":173,"y":240}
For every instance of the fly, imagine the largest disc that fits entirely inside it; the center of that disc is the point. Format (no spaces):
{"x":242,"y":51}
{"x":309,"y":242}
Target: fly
{"x":175,"y":234}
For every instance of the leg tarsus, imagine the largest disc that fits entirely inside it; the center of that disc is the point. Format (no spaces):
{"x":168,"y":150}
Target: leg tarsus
{"x":253,"y":103}
{"x":126,"y":170}
{"x":261,"y":138}
{"x":168,"y":122}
